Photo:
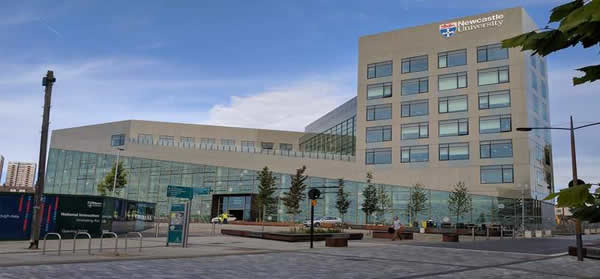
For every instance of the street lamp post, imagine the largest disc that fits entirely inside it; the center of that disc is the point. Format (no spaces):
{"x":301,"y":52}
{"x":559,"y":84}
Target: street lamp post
{"x":571,"y":129}
{"x":116,"y":171}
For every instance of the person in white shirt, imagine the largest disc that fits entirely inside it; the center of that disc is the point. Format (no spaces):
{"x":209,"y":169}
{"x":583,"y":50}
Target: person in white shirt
{"x":397,"y":228}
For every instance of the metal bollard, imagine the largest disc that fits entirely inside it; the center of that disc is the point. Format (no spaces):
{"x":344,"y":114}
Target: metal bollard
{"x":140,"y":237}
{"x":59,"y":242}
{"x":89,"y":242}
{"x":487,"y":234}
{"x":501,"y":232}
{"x":513,"y":233}
{"x":116,"y":241}
{"x":473,"y":233}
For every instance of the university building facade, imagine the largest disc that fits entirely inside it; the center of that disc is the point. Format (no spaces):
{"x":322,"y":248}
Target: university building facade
{"x":436,"y":104}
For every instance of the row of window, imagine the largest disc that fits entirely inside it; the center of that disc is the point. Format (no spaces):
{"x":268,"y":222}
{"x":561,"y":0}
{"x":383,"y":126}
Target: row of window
{"x":445,"y":60}
{"x":452,"y":127}
{"x":488,"y":149}
{"x":119,"y":140}
{"x":445,"y":82}
{"x":487,"y":100}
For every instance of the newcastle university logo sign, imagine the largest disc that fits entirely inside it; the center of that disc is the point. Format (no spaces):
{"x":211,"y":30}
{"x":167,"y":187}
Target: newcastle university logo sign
{"x":451,"y":28}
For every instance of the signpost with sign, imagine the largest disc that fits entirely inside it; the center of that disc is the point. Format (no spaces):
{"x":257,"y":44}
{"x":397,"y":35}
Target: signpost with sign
{"x":179,"y":217}
{"x":313,"y":195}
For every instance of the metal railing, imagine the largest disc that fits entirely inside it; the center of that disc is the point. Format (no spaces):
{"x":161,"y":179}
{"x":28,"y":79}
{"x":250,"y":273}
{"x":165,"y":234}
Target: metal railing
{"x":116,"y":241}
{"x":89,"y":242}
{"x":59,"y":242}
{"x":235,"y":148}
{"x":139,"y":236}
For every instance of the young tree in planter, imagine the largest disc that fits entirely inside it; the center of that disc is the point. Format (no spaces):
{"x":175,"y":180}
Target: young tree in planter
{"x":293,"y":198}
{"x":266,"y":188}
{"x":342,"y":204}
{"x":106,"y":185}
{"x":417,"y":201}
{"x":459,"y":200}
{"x":384,"y":203}
{"x":370,"y":202}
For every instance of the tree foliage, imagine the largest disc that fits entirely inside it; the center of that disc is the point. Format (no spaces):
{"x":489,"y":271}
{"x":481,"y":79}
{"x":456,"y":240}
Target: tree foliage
{"x":342,"y":203}
{"x":106,"y":185}
{"x":417,"y":200}
{"x":578,"y":23}
{"x":370,"y":202}
{"x":293,"y":198}
{"x":584,"y":204}
{"x":459,"y":200}
{"x":384,"y":202}
{"x":266,"y":188}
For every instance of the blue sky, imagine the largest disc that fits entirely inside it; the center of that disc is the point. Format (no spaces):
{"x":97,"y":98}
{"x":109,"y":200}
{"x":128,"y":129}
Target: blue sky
{"x":235,"y":63}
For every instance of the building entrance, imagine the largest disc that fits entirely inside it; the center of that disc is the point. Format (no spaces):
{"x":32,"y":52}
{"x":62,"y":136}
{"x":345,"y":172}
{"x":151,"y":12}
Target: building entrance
{"x":242,"y":206}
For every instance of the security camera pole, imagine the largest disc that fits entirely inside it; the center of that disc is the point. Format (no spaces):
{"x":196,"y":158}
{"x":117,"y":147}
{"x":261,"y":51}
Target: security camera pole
{"x":313,"y":195}
{"x":47,"y":81}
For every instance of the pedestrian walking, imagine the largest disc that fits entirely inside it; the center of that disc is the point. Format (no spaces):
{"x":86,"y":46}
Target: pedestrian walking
{"x":397,"y":226}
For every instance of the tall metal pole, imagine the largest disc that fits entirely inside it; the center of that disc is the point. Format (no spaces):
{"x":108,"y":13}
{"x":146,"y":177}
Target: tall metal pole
{"x":523,"y":208}
{"x":116,"y":172}
{"x":574,"y":168}
{"x":312,"y":222}
{"x":47,"y":81}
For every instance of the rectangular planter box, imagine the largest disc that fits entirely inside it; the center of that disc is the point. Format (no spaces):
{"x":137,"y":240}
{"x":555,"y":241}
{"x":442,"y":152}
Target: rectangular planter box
{"x":386,"y":235}
{"x":289,"y":237}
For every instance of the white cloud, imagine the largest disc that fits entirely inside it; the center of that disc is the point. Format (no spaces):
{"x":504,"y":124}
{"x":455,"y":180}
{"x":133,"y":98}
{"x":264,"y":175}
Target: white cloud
{"x":283,"y":108}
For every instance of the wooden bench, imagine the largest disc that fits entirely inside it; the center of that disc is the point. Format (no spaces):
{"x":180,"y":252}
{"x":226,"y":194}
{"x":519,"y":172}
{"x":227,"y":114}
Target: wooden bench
{"x":450,"y":237}
{"x":337,"y":241}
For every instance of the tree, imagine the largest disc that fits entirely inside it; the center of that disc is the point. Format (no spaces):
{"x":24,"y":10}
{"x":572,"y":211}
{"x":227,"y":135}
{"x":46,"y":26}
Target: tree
{"x":384,"y":202}
{"x":459,"y":200}
{"x":584,"y":204}
{"x":370,"y":202}
{"x":293,"y":198}
{"x":342,"y":203}
{"x":266,"y":188}
{"x":106,"y":185}
{"x":578,"y":22}
{"x":417,"y":200}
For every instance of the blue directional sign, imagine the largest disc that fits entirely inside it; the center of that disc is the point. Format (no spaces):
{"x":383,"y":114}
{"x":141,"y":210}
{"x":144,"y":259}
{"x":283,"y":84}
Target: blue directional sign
{"x":202,"y":190}
{"x":174,"y":191}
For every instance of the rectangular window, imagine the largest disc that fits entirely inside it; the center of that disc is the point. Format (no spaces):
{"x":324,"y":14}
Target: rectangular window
{"x":454,"y":151}
{"x":248,"y":144}
{"x":454,"y":127}
{"x":495,"y":99}
{"x":496,"y":174}
{"x":381,"y":69}
{"x":533,"y":79}
{"x":187,"y":141}
{"x":452,"y":58}
{"x":117,"y":140}
{"x":533,"y":61}
{"x":415,"y":86}
{"x":285,"y":146}
{"x":495,"y":149}
{"x":413,"y":154}
{"x":379,"y":90}
{"x":453,"y":104}
{"x":415,"y":108}
{"x":539,"y":152}
{"x":208,"y":141}
{"x":266,"y":145}
{"x":379,"y":134}
{"x":378,"y":156}
{"x":145,"y":139}
{"x":415,"y":131}
{"x":492,"y":75}
{"x":227,"y":142}
{"x":166,"y":140}
{"x":544,"y":90}
{"x":414,"y":64}
{"x":495,"y":124}
{"x":452,"y":81}
{"x":379,"y":112}
{"x":491,"y":53}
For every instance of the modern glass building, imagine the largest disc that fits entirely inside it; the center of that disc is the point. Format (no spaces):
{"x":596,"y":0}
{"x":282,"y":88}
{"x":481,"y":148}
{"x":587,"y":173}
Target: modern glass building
{"x":436,"y":105}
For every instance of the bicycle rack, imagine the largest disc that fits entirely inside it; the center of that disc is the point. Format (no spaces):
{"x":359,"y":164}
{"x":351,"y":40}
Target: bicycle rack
{"x":89,"y":242}
{"x":116,"y":240}
{"x":139,"y":236}
{"x":59,"y":242}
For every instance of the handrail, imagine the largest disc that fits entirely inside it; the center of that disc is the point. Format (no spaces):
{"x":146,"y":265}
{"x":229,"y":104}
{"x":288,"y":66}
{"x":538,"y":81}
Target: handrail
{"x":116,"y":240}
{"x":140,"y":237}
{"x":59,"y":242}
{"x":89,"y":242}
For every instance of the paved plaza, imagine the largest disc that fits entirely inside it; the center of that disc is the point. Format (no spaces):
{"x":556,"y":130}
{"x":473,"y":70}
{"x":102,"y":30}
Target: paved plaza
{"x":217,"y":256}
